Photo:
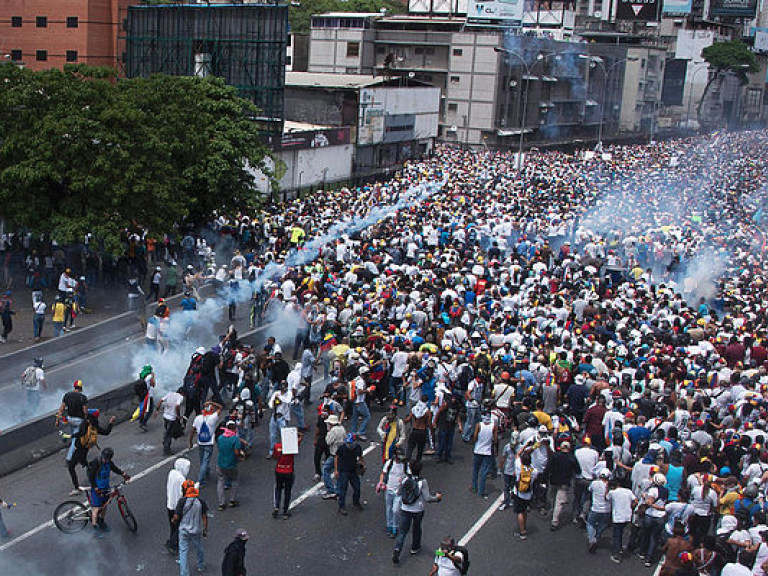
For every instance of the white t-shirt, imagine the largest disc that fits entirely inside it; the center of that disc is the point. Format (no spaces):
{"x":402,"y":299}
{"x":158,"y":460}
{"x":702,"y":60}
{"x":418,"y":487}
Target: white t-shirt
{"x":599,"y":504}
{"x":621,"y":504}
{"x":735,"y":569}
{"x":171,"y":402}
{"x":446,"y":567}
{"x":210,"y":426}
{"x":399,"y":363}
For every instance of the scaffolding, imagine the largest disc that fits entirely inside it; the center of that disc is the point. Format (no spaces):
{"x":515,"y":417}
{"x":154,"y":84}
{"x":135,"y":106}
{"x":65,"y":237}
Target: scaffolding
{"x":245,"y":44}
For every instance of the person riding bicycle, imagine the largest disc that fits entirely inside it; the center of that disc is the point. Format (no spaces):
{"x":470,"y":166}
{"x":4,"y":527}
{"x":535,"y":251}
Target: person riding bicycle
{"x":99,"y":470}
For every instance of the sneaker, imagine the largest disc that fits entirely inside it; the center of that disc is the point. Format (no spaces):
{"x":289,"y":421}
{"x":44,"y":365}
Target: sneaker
{"x":222,"y":508}
{"x":286,"y":515}
{"x":362,"y":438}
{"x":329,"y":496}
{"x":343,"y":511}
{"x":503,"y":507}
{"x":268,"y":456}
{"x":616,"y":558}
{"x":201,"y":568}
{"x":640,"y":555}
{"x":396,"y":557}
{"x":484,"y":496}
{"x":392,"y":532}
{"x":358,"y":506}
{"x":275,"y":512}
{"x":316,"y":477}
{"x":74,"y":492}
{"x":554,"y":527}
{"x":648,"y":564}
{"x":429,"y":452}
{"x":416,"y":551}
{"x":592,"y":548}
{"x":522,"y":535}
{"x":234,"y":504}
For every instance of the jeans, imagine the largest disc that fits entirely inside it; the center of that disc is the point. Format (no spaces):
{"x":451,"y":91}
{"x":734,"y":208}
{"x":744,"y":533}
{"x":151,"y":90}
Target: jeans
{"x":205,"y":452}
{"x":651,"y":536}
{"x":328,"y":480}
{"x":405,"y":523}
{"x":58,"y":327}
{"x":74,"y":428}
{"x":561,"y":499}
{"x":360,"y":411}
{"x":283,"y":482}
{"x":173,"y":538}
{"x":618,"y":536}
{"x":597,"y":523}
{"x":275,"y":425}
{"x":167,"y":436}
{"x":196,"y":541}
{"x":37,"y":324}
{"x":224,"y":475}
{"x":346,"y":478}
{"x":473,"y":417}
{"x":580,"y":499}
{"x":509,"y":484}
{"x":481,"y":465}
{"x":33,"y":401}
{"x":297,"y":412}
{"x":445,"y":442}
{"x":3,"y":530}
{"x":392,"y":503}
{"x":396,"y":389}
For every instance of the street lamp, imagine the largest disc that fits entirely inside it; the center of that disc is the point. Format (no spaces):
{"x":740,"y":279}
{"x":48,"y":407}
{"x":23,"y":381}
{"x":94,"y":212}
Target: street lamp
{"x":527,"y":69}
{"x":598,"y":61}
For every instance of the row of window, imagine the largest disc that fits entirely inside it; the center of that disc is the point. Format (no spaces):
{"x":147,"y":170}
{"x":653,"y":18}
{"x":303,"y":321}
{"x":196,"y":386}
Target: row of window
{"x":42,"y":55}
{"x":42,"y":22}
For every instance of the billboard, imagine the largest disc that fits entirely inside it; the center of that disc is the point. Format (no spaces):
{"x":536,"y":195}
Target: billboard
{"x":674,"y":82}
{"x":734,"y":8}
{"x":761,"y":41}
{"x":677,"y":6}
{"x":495,"y":11}
{"x":639,"y":10}
{"x":312,"y":139}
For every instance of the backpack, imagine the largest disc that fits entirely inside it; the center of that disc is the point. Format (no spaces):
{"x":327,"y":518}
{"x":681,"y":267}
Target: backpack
{"x":29,"y":378}
{"x":525,"y":480}
{"x":140,"y":388}
{"x":205,"y":433}
{"x":410,"y":490}
{"x":464,"y":568}
{"x":89,"y":439}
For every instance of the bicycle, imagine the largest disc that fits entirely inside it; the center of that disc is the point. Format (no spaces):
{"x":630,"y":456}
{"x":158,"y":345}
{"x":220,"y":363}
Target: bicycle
{"x":72,"y":516}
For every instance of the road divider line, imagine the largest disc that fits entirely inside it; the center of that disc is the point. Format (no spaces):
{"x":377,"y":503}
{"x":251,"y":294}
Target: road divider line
{"x":482,"y":521}
{"x":316,"y":488}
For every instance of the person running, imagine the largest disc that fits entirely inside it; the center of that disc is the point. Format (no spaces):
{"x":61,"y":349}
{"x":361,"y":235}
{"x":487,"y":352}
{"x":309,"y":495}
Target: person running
{"x":172,"y":418}
{"x":99,"y":471}
{"x":415,"y":494}
{"x":84,"y":439}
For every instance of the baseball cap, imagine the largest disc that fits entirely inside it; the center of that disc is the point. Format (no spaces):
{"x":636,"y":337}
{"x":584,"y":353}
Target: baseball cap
{"x":605,"y":473}
{"x":77,"y":384}
{"x":242,"y":534}
{"x":659,"y":479}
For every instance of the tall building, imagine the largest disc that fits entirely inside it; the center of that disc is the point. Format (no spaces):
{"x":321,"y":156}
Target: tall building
{"x":44,"y":34}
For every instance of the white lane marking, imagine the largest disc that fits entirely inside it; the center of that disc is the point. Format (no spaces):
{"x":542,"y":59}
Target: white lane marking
{"x":316,"y":488}
{"x":482,"y":521}
{"x":134,"y":478}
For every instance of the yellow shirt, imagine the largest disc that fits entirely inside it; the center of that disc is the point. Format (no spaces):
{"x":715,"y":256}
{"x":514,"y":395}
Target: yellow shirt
{"x":58,"y":311}
{"x":543,"y":418}
{"x":297,"y":234}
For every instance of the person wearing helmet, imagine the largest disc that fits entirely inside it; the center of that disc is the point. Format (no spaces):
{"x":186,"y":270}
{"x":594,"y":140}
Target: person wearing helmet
{"x":85,"y":439}
{"x":655,"y":499}
{"x":154,"y":287}
{"x":599,"y":517}
{"x":99,"y":471}
{"x":33,"y":381}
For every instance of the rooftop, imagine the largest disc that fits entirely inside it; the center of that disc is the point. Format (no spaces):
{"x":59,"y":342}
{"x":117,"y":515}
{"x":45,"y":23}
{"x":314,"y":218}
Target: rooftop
{"x":314,"y":79}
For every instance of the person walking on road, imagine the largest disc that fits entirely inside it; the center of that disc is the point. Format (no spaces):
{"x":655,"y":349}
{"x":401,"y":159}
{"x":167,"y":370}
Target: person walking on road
{"x":58,"y":311}
{"x":230,"y":451}
{"x":6,"y":315}
{"x":203,"y":428}
{"x":38,"y":319}
{"x":414,"y":492}
{"x":348,"y":456}
{"x":391,"y":478}
{"x":560,"y":471}
{"x":191,"y":517}
{"x":335,"y":439}
{"x":485,"y":438}
{"x":283,"y":480}
{"x":33,"y":381}
{"x":75,"y":403}
{"x":234,"y":555}
{"x":173,"y":491}
{"x":172,"y":422}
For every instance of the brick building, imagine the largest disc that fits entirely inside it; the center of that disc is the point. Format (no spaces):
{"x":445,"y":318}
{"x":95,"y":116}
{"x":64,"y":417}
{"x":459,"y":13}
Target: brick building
{"x":46,"y":34}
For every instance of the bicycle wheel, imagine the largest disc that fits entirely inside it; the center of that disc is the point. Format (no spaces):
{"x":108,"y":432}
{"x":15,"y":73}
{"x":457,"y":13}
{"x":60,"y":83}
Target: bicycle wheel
{"x":71,"y":516}
{"x":128,"y":517}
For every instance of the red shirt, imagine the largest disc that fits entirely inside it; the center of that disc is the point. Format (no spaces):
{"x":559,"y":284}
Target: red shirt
{"x":284,"y":461}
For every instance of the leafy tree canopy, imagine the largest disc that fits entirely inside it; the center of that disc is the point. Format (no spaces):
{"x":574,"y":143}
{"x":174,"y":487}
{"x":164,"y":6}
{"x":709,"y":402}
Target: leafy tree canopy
{"x":83,"y":151}
{"x":733,"y":55}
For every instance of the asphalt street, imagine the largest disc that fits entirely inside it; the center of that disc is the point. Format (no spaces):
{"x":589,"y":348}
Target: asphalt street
{"x":316,"y":540}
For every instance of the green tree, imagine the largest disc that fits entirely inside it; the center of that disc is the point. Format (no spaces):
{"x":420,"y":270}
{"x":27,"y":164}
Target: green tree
{"x":82,"y":151}
{"x":727,"y":57}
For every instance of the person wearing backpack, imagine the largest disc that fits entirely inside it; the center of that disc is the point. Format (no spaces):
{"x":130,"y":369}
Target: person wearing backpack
{"x":414,"y":492}
{"x":392,"y":475}
{"x":525,"y":476}
{"x":84,"y":439}
{"x":32,"y":380}
{"x":450,"y":559}
{"x":203,"y":428}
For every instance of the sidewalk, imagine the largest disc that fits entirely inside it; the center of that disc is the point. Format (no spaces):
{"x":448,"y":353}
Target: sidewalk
{"x":102,"y":304}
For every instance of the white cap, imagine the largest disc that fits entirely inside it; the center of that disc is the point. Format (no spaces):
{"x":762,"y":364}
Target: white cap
{"x":604,"y":473}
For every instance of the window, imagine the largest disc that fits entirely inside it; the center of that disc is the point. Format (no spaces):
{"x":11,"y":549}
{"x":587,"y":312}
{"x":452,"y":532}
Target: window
{"x":753,"y":97}
{"x":15,"y":21}
{"x":71,"y":55}
{"x":41,"y":22}
{"x":455,"y":79}
{"x":74,"y":22}
{"x":287,"y":60}
{"x":418,"y":50}
{"x":15,"y":55}
{"x":380,"y":50}
{"x":353,"y":49}
{"x":41,"y":55}
{"x":458,"y":52}
{"x":453,"y":107}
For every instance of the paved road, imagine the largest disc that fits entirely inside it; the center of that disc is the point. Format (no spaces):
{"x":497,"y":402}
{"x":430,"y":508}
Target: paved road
{"x":316,"y":541}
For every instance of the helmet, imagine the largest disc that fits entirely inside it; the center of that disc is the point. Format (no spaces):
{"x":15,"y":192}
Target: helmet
{"x":659,"y":479}
{"x":532,"y":421}
{"x":504,"y":375}
{"x":107,"y":453}
{"x":38,"y":361}
{"x":78,"y":384}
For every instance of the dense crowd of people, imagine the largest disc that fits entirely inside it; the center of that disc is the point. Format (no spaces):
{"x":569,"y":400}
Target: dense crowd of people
{"x":593,"y":325}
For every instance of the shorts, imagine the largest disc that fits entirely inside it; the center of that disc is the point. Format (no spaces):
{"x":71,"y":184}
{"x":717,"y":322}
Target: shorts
{"x":97,"y":500}
{"x":521,"y":505}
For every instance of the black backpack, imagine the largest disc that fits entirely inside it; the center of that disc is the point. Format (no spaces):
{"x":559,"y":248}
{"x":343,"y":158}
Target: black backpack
{"x":410,"y":490}
{"x":140,"y":388}
{"x":464,"y":568}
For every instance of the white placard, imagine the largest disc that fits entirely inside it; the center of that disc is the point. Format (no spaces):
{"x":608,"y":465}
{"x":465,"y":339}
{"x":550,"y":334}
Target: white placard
{"x":289,"y":438}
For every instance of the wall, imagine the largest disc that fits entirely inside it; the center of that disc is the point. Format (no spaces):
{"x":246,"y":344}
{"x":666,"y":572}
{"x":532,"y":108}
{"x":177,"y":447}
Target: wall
{"x":397,"y":114}
{"x":312,"y":167}
{"x":328,"y":51}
